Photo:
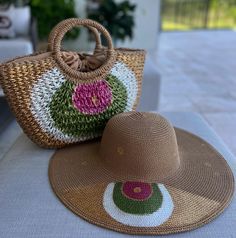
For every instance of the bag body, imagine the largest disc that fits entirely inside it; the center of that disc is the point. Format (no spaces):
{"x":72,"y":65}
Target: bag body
{"x":56,"y":104}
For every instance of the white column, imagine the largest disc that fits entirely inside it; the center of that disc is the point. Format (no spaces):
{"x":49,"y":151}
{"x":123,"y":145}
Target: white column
{"x":147,"y":21}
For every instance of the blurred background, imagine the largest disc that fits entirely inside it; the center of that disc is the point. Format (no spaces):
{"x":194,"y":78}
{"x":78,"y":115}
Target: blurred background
{"x":191,"y":51}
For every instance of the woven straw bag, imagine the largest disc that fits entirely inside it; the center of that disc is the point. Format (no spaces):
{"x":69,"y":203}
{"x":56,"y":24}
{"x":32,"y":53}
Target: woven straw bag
{"x":60,"y":98}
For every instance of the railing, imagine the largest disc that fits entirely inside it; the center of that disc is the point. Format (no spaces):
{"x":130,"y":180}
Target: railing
{"x":198,"y":14}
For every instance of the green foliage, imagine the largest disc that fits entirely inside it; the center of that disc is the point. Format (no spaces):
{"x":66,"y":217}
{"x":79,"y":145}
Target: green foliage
{"x":51,"y":12}
{"x":232,"y":13}
{"x":207,"y":14}
{"x":116,"y":17}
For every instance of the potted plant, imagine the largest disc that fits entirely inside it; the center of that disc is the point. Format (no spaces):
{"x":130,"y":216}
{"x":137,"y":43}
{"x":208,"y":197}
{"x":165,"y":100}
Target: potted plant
{"x":49,"y":13}
{"x":118,"y":18}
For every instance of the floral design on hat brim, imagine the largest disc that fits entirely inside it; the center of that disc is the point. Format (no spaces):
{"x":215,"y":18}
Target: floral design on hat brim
{"x":55,"y":102}
{"x":138,"y":204}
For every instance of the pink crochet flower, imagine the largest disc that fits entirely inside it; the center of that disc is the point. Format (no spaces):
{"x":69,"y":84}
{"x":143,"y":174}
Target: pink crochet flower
{"x":137,"y":190}
{"x":92,"y":98}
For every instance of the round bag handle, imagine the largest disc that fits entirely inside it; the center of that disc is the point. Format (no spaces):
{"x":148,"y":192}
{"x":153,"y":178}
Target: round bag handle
{"x":57,"y":28}
{"x":58,"y":34}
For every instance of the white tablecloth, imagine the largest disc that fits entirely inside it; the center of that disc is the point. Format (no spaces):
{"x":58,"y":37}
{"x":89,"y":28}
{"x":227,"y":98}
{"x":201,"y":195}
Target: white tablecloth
{"x":29,"y":208}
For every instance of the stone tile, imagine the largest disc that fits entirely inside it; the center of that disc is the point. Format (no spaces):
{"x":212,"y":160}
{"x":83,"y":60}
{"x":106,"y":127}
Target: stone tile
{"x":214,"y":104}
{"x":232,"y":93}
{"x":179,"y":85}
{"x":207,"y":88}
{"x":225,"y":126}
{"x":176,"y":103}
{"x":198,"y":71}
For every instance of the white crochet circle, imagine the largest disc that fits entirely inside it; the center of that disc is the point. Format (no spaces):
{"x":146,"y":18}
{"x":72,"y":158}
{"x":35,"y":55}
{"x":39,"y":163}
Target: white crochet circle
{"x":148,"y":220}
{"x":47,"y":85}
{"x":41,"y":96}
{"x":128,"y":79}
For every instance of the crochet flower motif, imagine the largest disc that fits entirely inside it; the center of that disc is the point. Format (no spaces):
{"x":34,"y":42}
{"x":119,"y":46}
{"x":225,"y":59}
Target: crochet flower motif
{"x":137,"y":203}
{"x":92,"y":98}
{"x":69,"y":120}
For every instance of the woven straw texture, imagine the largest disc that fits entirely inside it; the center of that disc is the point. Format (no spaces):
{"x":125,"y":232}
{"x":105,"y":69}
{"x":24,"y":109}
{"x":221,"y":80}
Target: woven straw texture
{"x":144,"y":177}
{"x":57,"y":105}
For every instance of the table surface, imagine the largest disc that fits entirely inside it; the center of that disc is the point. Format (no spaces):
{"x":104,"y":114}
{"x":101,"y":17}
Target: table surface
{"x":29,"y":208}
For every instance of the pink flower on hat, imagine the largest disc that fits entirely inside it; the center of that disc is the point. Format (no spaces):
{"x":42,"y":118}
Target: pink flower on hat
{"x":137,"y":190}
{"x":92,"y":98}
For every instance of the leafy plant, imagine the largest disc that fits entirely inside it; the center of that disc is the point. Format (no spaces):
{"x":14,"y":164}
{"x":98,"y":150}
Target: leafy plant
{"x":116,"y":17}
{"x":49,"y":13}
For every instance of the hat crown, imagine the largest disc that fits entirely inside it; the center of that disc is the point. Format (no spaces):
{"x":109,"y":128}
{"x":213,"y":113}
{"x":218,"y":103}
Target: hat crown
{"x":141,"y":145}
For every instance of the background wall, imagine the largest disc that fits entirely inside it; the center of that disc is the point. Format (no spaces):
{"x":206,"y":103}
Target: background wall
{"x":147,"y":21}
{"x":82,"y":42}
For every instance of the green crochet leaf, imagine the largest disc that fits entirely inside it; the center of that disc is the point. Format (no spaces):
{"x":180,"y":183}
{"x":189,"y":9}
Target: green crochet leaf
{"x":73,"y":123}
{"x":128,"y":205}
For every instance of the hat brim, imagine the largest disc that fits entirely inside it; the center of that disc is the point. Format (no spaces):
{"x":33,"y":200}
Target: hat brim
{"x":200,"y":190}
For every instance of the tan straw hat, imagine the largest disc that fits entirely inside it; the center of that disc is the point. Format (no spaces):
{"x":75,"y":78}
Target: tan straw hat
{"x":143,"y":177}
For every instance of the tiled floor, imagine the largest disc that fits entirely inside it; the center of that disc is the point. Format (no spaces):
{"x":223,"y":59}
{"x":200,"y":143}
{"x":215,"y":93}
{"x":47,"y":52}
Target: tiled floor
{"x":198,"y":72}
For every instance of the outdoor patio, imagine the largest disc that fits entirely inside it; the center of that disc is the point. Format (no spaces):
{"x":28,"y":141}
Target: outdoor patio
{"x":198,"y":70}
